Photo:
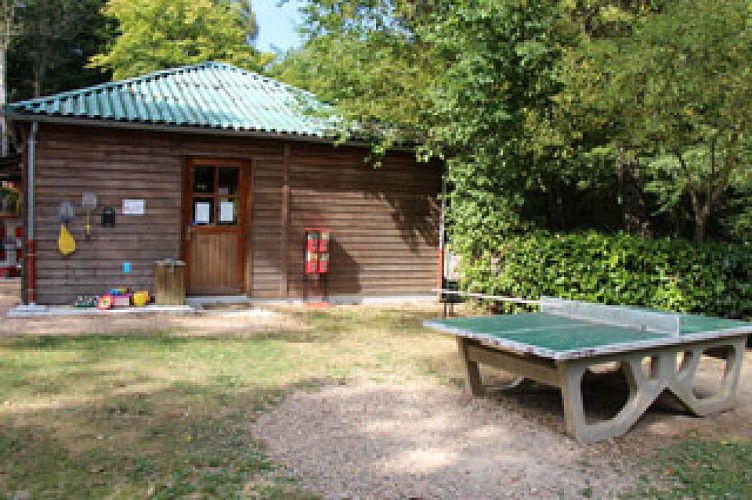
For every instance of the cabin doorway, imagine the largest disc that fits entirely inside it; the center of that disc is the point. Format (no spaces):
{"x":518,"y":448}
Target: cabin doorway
{"x":216,"y":226}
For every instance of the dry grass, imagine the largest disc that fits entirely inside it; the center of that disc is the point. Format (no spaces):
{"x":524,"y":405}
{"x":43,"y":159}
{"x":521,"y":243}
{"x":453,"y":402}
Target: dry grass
{"x":164,"y":412}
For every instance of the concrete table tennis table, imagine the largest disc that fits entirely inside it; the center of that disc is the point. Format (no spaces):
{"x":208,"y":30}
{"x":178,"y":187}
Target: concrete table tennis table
{"x":557,"y":345}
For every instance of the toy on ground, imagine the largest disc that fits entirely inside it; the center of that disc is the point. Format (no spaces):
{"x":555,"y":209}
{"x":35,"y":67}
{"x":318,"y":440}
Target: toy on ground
{"x":105,"y":302}
{"x":86,"y":301}
{"x":140,"y":298}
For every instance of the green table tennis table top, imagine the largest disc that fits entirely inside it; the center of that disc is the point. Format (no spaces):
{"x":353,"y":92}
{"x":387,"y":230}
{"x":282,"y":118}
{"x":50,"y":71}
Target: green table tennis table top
{"x":562,"y":338}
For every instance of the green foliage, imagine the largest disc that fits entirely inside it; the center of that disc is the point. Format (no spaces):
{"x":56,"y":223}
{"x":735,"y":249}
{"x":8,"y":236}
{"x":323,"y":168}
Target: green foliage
{"x":371,"y":60}
{"x":678,"y":84}
{"x":51,"y":44}
{"x":489,"y":102}
{"x":244,"y":9}
{"x":704,"y":469}
{"x":665,"y":274}
{"x":736,"y":222}
{"x":159,"y":34}
{"x":375,"y":91}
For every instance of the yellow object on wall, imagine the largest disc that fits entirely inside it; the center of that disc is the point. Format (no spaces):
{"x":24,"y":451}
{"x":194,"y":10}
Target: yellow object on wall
{"x":65,"y":242}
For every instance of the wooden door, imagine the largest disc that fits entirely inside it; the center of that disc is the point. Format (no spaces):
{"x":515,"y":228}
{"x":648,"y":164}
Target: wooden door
{"x":215,"y":224}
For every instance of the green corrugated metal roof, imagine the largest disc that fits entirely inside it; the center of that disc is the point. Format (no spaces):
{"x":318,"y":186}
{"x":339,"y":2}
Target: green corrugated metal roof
{"x":211,"y":95}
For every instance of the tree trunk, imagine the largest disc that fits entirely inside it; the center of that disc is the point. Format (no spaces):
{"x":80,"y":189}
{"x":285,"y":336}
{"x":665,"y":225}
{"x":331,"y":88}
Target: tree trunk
{"x":702,"y":214}
{"x":8,"y":13}
{"x":554,"y":209}
{"x":3,"y":99}
{"x":634,"y":213}
{"x":700,"y":221}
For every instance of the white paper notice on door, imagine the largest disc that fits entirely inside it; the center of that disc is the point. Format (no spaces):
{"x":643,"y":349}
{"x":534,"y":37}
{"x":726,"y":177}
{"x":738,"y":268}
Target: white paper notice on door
{"x":227,"y":211}
{"x":202,"y":212}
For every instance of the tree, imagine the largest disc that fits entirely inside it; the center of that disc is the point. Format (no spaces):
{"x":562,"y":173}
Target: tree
{"x":680,"y":86}
{"x":51,"y":51}
{"x":473,"y":80}
{"x":8,"y":27}
{"x":493,"y":103}
{"x":158,"y":34}
{"x":245,"y":11}
{"x":584,"y":128}
{"x":45,"y":44}
{"x":524,"y":98}
{"x":371,"y":60}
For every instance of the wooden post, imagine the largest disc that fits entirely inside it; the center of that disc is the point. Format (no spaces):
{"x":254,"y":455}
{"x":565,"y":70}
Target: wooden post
{"x":285,"y":285}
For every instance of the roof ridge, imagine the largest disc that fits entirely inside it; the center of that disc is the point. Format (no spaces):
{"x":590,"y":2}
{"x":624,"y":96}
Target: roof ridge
{"x":256,"y":75}
{"x":154,"y":75}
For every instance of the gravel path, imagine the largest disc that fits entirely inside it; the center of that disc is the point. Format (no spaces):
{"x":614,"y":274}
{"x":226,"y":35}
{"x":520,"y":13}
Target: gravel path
{"x":424,"y":440}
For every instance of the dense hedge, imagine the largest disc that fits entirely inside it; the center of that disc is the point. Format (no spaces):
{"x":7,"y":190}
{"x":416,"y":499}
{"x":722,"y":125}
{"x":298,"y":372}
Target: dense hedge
{"x":668,"y":274}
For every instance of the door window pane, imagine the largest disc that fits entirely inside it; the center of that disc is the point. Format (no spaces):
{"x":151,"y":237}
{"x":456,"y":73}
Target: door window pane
{"x":228,"y":211}
{"x":203,"y":211}
{"x":228,"y":181}
{"x":203,"y":179}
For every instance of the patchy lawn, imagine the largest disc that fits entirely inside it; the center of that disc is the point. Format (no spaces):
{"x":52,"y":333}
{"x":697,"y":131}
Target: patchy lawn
{"x":164,"y":409}
{"x":701,"y":468}
{"x":138,"y":415}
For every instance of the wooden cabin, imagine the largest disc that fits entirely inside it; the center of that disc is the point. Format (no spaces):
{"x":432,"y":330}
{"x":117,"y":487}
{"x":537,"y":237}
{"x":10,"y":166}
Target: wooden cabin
{"x":223,"y":169}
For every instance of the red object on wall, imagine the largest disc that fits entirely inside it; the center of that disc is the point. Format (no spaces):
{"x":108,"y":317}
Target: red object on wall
{"x":311,"y":262}
{"x":324,"y":241}
{"x":312,"y":240}
{"x":10,"y":248}
{"x":317,"y":250}
{"x":324,"y":263}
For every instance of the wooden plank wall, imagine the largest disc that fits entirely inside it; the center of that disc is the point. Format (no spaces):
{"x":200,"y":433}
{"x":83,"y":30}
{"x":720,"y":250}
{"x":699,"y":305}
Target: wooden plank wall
{"x":268,"y":228}
{"x":70,"y":163}
{"x":384,"y":221}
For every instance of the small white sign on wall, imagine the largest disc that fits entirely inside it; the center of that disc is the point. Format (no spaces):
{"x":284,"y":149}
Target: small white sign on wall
{"x":134,"y":207}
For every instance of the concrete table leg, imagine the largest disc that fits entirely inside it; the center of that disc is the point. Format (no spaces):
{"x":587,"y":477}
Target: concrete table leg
{"x":473,"y":383}
{"x":644,"y":388}
{"x":682,"y":384}
{"x":642,"y":392}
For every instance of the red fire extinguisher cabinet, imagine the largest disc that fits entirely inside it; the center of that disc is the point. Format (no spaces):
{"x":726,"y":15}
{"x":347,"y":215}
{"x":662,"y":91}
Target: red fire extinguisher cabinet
{"x":317,"y":250}
{"x":317,"y":259}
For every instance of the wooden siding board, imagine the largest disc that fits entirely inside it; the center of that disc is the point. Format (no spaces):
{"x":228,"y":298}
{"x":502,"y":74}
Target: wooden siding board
{"x":283,"y":281}
{"x":267,"y":227}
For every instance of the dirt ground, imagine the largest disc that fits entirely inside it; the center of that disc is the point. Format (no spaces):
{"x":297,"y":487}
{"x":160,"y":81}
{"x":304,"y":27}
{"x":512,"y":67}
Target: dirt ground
{"x":423,"y":439}
{"x":426,"y":440}
{"x":243,"y":322}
